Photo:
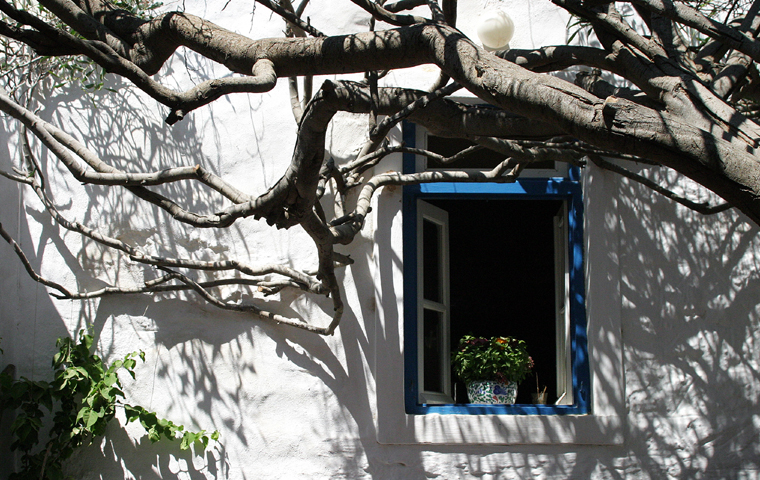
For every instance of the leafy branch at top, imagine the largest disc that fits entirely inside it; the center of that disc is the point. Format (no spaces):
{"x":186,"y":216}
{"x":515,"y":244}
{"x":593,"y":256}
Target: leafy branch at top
{"x":20,"y":66}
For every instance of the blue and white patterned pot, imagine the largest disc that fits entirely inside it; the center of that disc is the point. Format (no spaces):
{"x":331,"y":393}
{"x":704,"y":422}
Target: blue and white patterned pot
{"x":492,"y":392}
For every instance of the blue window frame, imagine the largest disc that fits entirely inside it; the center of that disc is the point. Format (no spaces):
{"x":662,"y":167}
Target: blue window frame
{"x":433,"y":320}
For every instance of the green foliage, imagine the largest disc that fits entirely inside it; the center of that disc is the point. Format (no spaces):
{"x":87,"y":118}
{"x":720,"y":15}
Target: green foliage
{"x":503,"y":359}
{"x":82,"y":400}
{"x":20,"y":66}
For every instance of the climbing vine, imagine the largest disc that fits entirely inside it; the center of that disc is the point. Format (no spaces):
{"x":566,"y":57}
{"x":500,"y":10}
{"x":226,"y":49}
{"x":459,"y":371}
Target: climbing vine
{"x":81,"y":401}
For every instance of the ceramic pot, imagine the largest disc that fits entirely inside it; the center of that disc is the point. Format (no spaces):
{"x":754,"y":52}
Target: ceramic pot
{"x":491,"y":393}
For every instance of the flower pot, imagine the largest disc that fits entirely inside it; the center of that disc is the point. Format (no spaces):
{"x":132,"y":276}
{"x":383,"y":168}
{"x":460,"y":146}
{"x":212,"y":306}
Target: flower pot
{"x":491,"y":393}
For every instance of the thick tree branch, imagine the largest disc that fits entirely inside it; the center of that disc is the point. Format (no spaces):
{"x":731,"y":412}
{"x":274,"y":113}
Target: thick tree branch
{"x":689,"y":16}
{"x":261,"y":77}
{"x":560,"y":57}
{"x":86,"y":25}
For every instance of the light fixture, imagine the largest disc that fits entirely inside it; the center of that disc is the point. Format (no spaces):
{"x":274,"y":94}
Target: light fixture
{"x":495,"y":30}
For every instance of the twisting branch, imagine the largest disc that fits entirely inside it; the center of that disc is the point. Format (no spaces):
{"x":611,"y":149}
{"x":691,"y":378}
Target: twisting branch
{"x":381,"y":13}
{"x":78,"y":19}
{"x":160,"y":284}
{"x":359,"y":165}
{"x":691,"y":17}
{"x":292,"y":17}
{"x":292,"y":30}
{"x":592,"y":82}
{"x":303,"y":281}
{"x":300,"y":281}
{"x":701,"y":207}
{"x":402,"y":5}
{"x":245,"y":206}
{"x":381,"y":130}
{"x":506,"y":172}
{"x":262,"y":79}
{"x":528,"y":154}
{"x":668,"y":35}
{"x":247,"y":308}
{"x":28,"y":266}
{"x":614,"y":22}
{"x":735,"y":70}
{"x":436,"y":12}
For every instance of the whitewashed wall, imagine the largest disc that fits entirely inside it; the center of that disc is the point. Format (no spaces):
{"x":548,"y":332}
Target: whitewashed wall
{"x":672,"y":297}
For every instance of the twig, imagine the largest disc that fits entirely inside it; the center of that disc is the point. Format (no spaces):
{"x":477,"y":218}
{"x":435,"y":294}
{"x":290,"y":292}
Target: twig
{"x":702,"y":207}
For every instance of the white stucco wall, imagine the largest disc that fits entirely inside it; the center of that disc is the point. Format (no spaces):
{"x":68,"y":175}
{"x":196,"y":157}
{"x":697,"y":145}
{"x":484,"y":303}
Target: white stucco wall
{"x":672,"y":303}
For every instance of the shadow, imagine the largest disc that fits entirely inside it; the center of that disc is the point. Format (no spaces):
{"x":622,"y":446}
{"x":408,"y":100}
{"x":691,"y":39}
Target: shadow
{"x":182,"y":336}
{"x":118,"y":455}
{"x":291,"y":404}
{"x":690,"y":313}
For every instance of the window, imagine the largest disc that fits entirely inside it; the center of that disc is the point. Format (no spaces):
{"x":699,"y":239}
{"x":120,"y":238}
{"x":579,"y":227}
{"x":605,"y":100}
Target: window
{"x":494,"y":259}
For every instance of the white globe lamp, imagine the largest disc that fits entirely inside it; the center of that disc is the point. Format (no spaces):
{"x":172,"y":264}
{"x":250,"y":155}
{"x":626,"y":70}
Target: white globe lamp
{"x":496,"y":30}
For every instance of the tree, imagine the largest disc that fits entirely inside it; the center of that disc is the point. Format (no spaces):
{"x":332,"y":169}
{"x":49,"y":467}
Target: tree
{"x":689,"y":106}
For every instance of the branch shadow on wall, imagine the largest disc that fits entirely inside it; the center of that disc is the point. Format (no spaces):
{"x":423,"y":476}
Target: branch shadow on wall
{"x":688,"y":291}
{"x":690,"y":313}
{"x":690,"y":323}
{"x":110,"y":126}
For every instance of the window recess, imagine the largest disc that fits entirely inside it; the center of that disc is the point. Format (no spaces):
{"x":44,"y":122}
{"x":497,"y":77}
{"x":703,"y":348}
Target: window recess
{"x":494,"y":259}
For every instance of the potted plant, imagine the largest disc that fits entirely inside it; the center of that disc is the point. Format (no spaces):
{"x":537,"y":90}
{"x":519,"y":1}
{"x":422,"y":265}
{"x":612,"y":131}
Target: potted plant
{"x":491,"y":367}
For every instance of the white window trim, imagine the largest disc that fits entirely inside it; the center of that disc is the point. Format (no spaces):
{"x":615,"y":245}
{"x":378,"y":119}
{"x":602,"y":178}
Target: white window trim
{"x":562,"y":313}
{"x":440,"y":218}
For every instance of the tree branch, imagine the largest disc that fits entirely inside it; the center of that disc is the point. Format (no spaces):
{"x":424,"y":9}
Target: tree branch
{"x":386,"y":16}
{"x":291,"y":17}
{"x":28,"y":266}
{"x":703,"y":207}
{"x":691,"y":17}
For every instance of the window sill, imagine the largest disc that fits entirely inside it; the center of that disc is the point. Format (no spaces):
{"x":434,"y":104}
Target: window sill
{"x":480,"y":409}
{"x":504,"y":430}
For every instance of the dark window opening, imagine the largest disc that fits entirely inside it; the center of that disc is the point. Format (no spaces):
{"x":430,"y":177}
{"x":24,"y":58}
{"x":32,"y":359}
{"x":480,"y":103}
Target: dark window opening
{"x":502,"y":282}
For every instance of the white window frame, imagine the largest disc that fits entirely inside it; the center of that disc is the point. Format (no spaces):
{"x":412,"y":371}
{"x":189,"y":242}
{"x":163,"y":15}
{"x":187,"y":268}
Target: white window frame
{"x":562,"y":309}
{"x":440,"y":218}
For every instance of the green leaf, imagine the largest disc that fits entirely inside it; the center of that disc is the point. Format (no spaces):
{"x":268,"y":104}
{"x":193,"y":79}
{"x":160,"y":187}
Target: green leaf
{"x":86,"y":393}
{"x":154,"y":435}
{"x":91,"y":417}
{"x":187,"y":439}
{"x":109,"y":379}
{"x":133,"y":413}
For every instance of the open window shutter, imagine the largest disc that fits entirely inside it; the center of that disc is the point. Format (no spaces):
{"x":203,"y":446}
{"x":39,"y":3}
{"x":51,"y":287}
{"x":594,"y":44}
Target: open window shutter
{"x":562,"y":307}
{"x":433,"y":327}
